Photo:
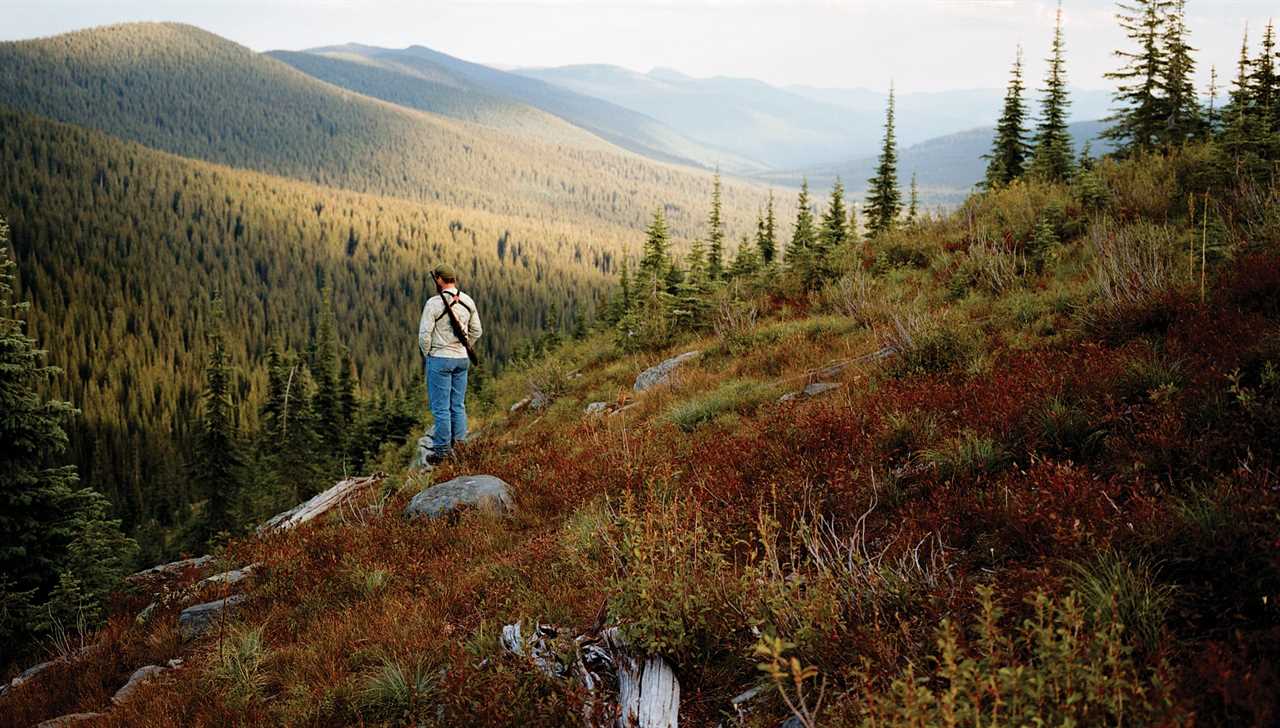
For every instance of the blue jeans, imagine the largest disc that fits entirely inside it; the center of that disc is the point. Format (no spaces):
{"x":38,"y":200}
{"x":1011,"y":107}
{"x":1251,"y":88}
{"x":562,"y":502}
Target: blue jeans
{"x":447,"y":392}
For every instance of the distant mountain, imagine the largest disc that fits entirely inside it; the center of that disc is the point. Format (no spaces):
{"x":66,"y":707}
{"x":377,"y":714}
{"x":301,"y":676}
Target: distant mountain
{"x":947,"y":168}
{"x":625,"y":127}
{"x":790,"y":127}
{"x":183,"y":90}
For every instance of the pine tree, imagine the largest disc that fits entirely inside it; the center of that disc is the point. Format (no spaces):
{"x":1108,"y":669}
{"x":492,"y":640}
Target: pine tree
{"x":1052,"y":159}
{"x":1239,"y":135}
{"x":715,"y":234}
{"x":832,"y":235}
{"x":914,"y":208}
{"x":746,"y":261}
{"x":1184,"y":120}
{"x":1264,"y":97}
{"x":768,"y":239}
{"x":216,"y":471}
{"x":1211,"y":113}
{"x":884,"y":199}
{"x":648,"y":320}
{"x":1138,"y":123}
{"x":324,"y":370}
{"x":579,"y":331}
{"x":33,"y":493}
{"x":692,"y":301}
{"x":1009,"y":149}
{"x":803,"y":235}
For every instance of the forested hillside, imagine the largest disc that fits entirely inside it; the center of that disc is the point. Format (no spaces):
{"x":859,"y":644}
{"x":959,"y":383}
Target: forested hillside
{"x":186,"y":91}
{"x":122,"y":248}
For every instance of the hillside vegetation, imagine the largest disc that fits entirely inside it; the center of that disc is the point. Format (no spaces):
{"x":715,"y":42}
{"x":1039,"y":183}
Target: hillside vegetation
{"x":1055,"y":499}
{"x":121,"y":250}
{"x":180,"y":89}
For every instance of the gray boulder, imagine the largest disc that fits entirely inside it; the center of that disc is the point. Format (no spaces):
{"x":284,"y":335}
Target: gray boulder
{"x":140,"y":677}
{"x":195,"y":621}
{"x":481,"y":491}
{"x":661,"y":373}
{"x":597,"y":408}
{"x":813,"y":390}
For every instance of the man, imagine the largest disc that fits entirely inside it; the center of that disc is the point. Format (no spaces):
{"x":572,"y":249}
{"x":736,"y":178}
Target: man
{"x":447,"y":361}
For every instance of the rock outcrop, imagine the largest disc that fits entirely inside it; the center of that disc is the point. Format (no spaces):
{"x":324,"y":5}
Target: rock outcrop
{"x":195,"y":621}
{"x":71,"y":719}
{"x":596,"y":408}
{"x":661,"y":373}
{"x":140,"y":677}
{"x":478,"y":491}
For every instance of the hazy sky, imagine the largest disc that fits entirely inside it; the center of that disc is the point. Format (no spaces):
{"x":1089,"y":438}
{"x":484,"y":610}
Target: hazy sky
{"x":924,"y":45}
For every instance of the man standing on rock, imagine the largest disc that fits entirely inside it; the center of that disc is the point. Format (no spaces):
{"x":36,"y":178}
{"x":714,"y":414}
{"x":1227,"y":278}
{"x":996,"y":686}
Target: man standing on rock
{"x":449,"y":327}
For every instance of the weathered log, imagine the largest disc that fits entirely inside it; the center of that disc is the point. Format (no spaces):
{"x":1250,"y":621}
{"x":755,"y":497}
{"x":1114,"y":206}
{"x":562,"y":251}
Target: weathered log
{"x":648,"y":691}
{"x":320,"y":504}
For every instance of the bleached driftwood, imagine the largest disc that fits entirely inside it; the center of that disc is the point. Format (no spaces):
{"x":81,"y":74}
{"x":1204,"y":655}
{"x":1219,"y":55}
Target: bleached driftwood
{"x":319,"y":505}
{"x":648,"y":693}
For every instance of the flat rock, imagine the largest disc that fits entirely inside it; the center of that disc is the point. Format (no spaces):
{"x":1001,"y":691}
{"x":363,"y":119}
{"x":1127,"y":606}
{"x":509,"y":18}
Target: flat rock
{"x":194,"y":621}
{"x":481,"y":491}
{"x":813,"y":390}
{"x":597,"y":408}
{"x":661,"y":373}
{"x":521,"y":404}
{"x":140,"y":677}
{"x":171,"y":569}
{"x":26,"y":675}
{"x":70,"y":719}
{"x":235,"y":576}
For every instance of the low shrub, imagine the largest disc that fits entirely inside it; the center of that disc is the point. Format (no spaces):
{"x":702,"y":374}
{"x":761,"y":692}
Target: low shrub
{"x":1067,"y":430}
{"x":1126,"y":591}
{"x":1049,"y":670}
{"x":927,"y":344}
{"x":735,"y":396}
{"x":1135,"y":265}
{"x":967,"y":455}
{"x":396,"y":693}
{"x":238,"y":667}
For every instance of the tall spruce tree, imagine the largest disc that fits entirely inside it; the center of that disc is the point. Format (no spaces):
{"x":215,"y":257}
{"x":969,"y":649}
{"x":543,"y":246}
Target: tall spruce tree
{"x":804,"y":234}
{"x":692,"y":301}
{"x":832,"y":235}
{"x":1054,"y":157}
{"x":647,"y":322}
{"x":1009,"y":149}
{"x":1239,"y":128}
{"x":324,"y":371}
{"x":216,"y":470}
{"x":884,"y":199}
{"x":913,"y":208}
{"x":768,"y":238}
{"x":1264,"y":97}
{"x":1184,"y":119}
{"x":1139,"y":120}
{"x":715,"y":234}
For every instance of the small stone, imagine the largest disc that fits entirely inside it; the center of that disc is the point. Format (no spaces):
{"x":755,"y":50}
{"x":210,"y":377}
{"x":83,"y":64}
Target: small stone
{"x":194,"y":621}
{"x":481,"y":491}
{"x":235,"y":576}
{"x":140,"y":677}
{"x":597,"y":408}
{"x":661,"y":373}
{"x":521,"y":404}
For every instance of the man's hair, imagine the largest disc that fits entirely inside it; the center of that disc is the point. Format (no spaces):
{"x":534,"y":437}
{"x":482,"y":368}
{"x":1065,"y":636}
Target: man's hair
{"x":446,"y":279}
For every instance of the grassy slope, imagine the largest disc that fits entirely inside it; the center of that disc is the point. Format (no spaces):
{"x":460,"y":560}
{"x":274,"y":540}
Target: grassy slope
{"x":1035,"y":434}
{"x":180,"y":89}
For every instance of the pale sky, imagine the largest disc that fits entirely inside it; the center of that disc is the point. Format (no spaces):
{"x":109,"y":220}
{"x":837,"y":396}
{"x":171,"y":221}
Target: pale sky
{"x":923,"y":45}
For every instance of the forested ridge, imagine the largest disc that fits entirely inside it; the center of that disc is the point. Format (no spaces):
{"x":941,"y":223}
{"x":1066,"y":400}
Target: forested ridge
{"x":122,"y":248}
{"x":183,"y":90}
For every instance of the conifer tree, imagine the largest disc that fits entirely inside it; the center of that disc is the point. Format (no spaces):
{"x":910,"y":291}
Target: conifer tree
{"x":692,"y":300}
{"x":913,"y":208}
{"x":767,"y":240}
{"x":1211,"y":113}
{"x":1139,"y":120}
{"x":216,"y":471}
{"x":579,"y":331}
{"x":884,"y":199}
{"x":803,"y":234}
{"x":324,"y":370}
{"x":1009,"y":149}
{"x":715,"y":234}
{"x":832,"y":234}
{"x":33,"y":491}
{"x":1053,"y":156}
{"x":647,"y":321}
{"x":1239,"y":133}
{"x":1183,"y":120}
{"x":1264,"y":97}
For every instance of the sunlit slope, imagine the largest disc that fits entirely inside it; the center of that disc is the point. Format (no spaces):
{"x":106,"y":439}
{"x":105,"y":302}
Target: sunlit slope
{"x":183,"y":90}
{"x":122,"y":248}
